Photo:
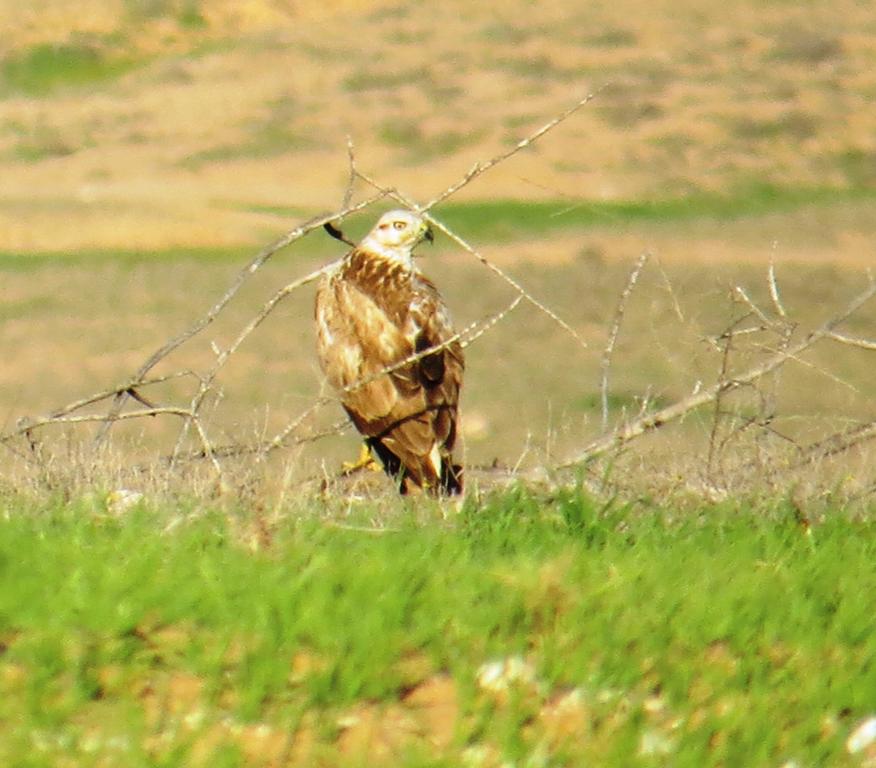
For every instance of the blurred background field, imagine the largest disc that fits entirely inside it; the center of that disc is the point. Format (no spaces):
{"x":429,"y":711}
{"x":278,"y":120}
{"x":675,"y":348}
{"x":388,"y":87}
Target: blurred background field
{"x":148,"y":149}
{"x":153,"y":123}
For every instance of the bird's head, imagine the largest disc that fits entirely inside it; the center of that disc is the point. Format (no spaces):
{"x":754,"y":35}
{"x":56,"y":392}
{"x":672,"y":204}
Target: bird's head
{"x":396,"y":234}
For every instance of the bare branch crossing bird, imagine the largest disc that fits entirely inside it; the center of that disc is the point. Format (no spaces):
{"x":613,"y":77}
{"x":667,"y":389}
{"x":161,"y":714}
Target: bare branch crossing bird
{"x":373,"y":312}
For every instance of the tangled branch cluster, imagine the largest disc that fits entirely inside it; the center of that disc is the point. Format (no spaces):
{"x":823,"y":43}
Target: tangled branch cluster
{"x":131,"y":400}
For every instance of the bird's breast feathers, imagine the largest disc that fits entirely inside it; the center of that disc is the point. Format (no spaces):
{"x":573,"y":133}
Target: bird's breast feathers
{"x":364,"y":317}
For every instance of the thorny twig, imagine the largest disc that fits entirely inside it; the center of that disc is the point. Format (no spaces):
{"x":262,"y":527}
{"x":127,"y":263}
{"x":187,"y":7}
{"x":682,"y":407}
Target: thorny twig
{"x":130,"y":388}
{"x":90,"y":418}
{"x":223,"y":356}
{"x":853,"y":341}
{"x":639,"y":425}
{"x":835,"y":444}
{"x":774,"y":291}
{"x":663,"y":416}
{"x":466,"y":336}
{"x":481,"y":168}
{"x":605,"y":363}
{"x":723,"y":386}
{"x":541,"y":306}
{"x":250,"y":269}
{"x":58,"y":415}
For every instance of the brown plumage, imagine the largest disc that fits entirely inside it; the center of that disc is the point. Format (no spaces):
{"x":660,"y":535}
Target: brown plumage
{"x":373,"y":311}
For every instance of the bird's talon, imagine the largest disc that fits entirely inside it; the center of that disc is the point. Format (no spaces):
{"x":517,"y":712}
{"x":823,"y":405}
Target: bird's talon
{"x":365,"y":461}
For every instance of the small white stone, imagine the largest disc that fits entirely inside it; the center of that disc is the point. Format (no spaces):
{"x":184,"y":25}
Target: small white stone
{"x":475,"y":756}
{"x":654,"y":705}
{"x":121,"y":500}
{"x":348,"y":721}
{"x":863,"y":736}
{"x":499,"y":675}
{"x":654,"y":743}
{"x":571,"y":701}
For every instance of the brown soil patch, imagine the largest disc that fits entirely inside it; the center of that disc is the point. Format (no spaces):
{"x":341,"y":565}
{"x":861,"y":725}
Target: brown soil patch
{"x":436,"y":706}
{"x":566,"y":719}
{"x":792,"y":239}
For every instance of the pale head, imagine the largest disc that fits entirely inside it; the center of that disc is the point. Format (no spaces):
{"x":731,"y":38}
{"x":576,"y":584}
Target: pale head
{"x":395,"y":235}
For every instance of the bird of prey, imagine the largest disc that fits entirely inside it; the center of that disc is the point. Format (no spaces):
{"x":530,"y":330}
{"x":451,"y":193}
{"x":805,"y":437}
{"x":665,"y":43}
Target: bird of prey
{"x":374,"y":311}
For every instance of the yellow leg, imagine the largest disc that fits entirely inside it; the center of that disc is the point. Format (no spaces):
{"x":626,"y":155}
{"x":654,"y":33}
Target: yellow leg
{"x":365,"y":461}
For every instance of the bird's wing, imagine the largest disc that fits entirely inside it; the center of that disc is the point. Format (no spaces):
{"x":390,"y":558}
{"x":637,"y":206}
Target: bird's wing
{"x":439,"y":373}
{"x":421,"y":429}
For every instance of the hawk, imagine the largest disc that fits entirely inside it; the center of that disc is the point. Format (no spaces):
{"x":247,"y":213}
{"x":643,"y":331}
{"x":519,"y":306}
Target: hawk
{"x":373,"y":311}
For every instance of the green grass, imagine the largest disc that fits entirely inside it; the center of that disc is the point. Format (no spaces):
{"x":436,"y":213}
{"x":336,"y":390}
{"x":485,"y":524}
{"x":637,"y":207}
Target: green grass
{"x":509,"y":219}
{"x":408,"y":136}
{"x":723,"y":635}
{"x":377,"y":80}
{"x":42,"y":142}
{"x":271,"y":137}
{"x":23,"y":262}
{"x":43,"y":69}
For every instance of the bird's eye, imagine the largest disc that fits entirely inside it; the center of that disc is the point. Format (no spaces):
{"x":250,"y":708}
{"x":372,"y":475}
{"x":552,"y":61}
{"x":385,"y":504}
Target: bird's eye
{"x":399,"y":224}
{"x":384,"y":226}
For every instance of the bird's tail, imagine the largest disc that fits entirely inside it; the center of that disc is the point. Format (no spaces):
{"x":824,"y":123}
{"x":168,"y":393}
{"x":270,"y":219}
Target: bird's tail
{"x":449,"y":481}
{"x":451,"y":477}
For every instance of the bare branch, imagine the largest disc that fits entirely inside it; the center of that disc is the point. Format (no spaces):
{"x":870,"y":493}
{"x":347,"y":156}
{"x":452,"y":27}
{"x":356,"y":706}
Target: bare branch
{"x":774,"y":291}
{"x":747,"y":300}
{"x":407,"y":201}
{"x":208,"y":448}
{"x":510,"y":280}
{"x":676,"y":306}
{"x":605,"y":363}
{"x":715,"y":341}
{"x":262,"y":449}
{"x":722,"y":387}
{"x":26,"y":426}
{"x":663,"y":416}
{"x":852,"y":340}
{"x":481,"y":168}
{"x":823,"y":372}
{"x":223,"y":356}
{"x":330,"y":227}
{"x":107,"y":393}
{"x":250,"y":269}
{"x":490,"y":322}
{"x":836,"y":444}
{"x":351,"y":181}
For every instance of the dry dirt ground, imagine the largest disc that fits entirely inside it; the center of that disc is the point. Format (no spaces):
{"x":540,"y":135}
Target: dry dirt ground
{"x":198,"y":117}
